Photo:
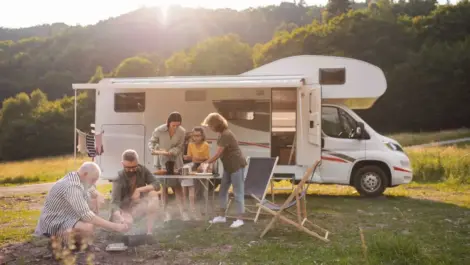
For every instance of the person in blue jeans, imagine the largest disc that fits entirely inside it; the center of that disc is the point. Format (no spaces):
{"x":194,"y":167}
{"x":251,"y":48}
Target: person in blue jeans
{"x":234,"y":164}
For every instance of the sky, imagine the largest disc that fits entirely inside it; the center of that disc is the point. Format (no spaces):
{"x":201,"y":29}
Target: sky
{"x":26,"y":13}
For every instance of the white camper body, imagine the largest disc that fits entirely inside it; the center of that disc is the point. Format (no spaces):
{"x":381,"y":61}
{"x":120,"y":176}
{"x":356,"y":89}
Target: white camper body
{"x":297,"y":108}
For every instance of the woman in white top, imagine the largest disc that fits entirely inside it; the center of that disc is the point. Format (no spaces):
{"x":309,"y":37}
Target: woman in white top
{"x":167,"y":142}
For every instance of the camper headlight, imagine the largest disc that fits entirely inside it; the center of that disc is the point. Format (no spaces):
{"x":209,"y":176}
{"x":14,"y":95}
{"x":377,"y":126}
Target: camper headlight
{"x":394,"y":147}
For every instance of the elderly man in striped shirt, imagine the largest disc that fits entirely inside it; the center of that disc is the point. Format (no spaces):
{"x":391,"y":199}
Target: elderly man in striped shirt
{"x":67,"y":206}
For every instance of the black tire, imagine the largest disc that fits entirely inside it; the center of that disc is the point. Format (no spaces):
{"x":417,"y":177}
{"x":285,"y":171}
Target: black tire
{"x":370,"y":181}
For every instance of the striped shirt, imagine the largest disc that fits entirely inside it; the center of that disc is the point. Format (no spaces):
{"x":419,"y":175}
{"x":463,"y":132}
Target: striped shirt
{"x":65,"y":205}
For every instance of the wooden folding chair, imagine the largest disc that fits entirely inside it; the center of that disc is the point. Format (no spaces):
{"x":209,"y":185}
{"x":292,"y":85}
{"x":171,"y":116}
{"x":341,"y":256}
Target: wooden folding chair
{"x":258,"y":176}
{"x":297,"y":198}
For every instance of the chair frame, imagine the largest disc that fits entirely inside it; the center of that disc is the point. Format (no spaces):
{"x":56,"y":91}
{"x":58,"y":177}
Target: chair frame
{"x":301,"y":214}
{"x":254,"y":208}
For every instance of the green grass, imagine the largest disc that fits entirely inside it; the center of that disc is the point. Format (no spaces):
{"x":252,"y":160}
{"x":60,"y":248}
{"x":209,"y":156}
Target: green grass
{"x":38,"y":170}
{"x":428,"y":164}
{"x":409,"y":139}
{"x":435,"y":164}
{"x":19,"y":217}
{"x":403,"y":228}
{"x":413,"y":224}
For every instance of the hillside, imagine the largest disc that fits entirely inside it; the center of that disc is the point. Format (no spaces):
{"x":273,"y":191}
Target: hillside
{"x":42,"y":31}
{"x":53,"y":63}
{"x":421,"y":47}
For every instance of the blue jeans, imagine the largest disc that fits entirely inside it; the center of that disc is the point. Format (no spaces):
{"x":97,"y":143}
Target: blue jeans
{"x":238,"y":183}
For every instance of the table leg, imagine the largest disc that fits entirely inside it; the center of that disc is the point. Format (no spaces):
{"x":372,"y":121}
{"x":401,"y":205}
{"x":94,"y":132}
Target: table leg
{"x":206,"y":195}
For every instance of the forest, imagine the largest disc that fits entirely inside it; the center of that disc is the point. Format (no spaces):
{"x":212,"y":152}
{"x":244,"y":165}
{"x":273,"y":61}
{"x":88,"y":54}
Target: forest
{"x":422,"y":47}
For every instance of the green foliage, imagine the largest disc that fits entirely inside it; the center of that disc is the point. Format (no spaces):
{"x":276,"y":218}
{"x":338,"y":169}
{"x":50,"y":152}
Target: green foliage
{"x":32,"y":126}
{"x":225,"y":55}
{"x":135,"y":67}
{"x":338,"y":7}
{"x":449,"y":164}
{"x":421,"y":47}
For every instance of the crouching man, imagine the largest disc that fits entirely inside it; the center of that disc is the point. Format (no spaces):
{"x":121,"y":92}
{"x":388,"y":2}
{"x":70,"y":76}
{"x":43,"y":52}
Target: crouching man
{"x":67,"y":207}
{"x":135,"y":192}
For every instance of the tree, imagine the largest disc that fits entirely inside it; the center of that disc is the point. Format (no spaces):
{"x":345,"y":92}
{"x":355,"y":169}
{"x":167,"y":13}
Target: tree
{"x":135,"y":67}
{"x":225,"y":55}
{"x":97,"y":76}
{"x":338,"y":7}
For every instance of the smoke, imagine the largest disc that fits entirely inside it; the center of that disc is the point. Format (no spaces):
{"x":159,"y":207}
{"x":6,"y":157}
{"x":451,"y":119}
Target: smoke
{"x":178,"y":208}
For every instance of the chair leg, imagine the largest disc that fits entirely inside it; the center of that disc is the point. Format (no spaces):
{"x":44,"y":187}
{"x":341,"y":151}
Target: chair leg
{"x":257,"y":214}
{"x":300,"y":226}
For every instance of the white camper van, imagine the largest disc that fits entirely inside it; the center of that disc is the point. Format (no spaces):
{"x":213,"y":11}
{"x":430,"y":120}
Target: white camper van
{"x":297,"y":108}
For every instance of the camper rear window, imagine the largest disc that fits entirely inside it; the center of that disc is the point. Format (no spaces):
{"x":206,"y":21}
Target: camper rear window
{"x":332,"y":76}
{"x":129,"y":102}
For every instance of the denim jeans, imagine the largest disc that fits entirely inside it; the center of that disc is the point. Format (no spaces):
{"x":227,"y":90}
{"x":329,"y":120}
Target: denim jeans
{"x":237,"y":180}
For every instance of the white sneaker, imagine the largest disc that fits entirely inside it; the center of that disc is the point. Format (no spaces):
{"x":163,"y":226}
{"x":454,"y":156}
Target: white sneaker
{"x":237,"y":223}
{"x":218,"y":219}
{"x":167,"y":217}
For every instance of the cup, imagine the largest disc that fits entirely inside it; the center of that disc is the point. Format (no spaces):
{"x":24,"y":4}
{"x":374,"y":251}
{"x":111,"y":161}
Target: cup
{"x":170,"y":167}
{"x":204,"y":167}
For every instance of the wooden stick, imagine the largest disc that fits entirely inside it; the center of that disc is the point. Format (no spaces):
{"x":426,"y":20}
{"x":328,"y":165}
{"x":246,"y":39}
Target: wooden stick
{"x":364,"y":247}
{"x":297,"y":203}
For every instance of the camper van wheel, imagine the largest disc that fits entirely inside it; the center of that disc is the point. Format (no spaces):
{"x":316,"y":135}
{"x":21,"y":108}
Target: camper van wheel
{"x":370,"y":181}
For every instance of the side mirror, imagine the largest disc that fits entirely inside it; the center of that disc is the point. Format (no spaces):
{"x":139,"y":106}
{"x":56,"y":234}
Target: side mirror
{"x":359,"y":130}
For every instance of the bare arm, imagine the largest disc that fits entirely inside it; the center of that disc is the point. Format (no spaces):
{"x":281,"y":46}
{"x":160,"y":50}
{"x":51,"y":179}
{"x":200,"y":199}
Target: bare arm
{"x":80,"y":206}
{"x":217,"y":155}
{"x":98,"y":221}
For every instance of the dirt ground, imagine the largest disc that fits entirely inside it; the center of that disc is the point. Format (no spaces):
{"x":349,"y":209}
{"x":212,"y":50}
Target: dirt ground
{"x":37,"y":252}
{"x":166,"y":250}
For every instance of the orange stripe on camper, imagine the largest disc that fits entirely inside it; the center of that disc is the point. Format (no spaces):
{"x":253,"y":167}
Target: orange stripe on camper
{"x":334,"y":159}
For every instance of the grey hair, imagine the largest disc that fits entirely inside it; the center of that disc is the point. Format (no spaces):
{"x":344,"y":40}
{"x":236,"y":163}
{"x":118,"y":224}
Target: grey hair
{"x":90,"y":168}
{"x":130,"y":155}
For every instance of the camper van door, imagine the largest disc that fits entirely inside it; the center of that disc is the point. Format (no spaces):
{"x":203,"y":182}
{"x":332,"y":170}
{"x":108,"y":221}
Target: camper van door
{"x":314,"y":112}
{"x":309,"y":127}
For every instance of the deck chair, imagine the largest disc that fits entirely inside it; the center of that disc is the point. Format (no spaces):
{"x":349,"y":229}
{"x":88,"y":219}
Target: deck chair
{"x":257,"y":179}
{"x":297,"y":199}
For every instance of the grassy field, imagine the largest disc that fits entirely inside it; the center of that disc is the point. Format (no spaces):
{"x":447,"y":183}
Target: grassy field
{"x":409,"y":139}
{"x":437,"y":164}
{"x":430,"y":164}
{"x":37,"y":170}
{"x":413,"y":224}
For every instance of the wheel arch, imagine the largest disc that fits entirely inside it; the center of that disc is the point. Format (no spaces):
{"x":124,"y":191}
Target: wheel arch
{"x":362,"y":163}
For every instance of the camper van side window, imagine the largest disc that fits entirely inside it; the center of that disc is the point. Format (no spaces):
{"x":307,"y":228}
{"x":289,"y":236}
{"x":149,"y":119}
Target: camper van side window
{"x":129,"y":102}
{"x":336,"y":122}
{"x":332,"y":76}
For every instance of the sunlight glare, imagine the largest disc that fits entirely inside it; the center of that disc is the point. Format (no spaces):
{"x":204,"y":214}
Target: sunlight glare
{"x":164,"y":13}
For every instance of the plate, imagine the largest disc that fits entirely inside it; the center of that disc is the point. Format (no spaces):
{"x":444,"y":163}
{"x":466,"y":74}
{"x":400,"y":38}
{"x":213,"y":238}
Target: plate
{"x":203,"y":174}
{"x":116,"y":247}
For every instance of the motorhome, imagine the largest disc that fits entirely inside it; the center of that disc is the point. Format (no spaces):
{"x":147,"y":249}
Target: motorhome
{"x":298,"y":108}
